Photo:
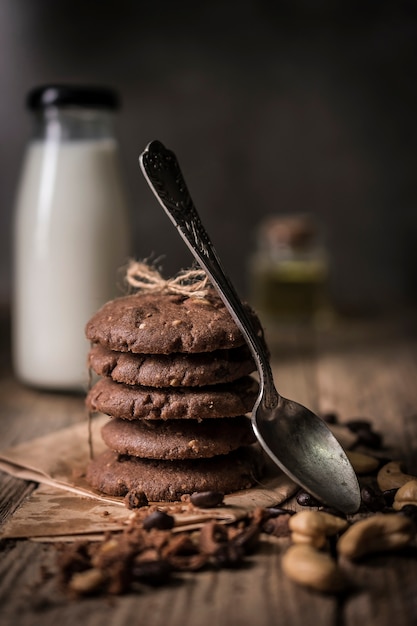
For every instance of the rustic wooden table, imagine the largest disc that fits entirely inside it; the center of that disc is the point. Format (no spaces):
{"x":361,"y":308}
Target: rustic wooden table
{"x":361,"y":370}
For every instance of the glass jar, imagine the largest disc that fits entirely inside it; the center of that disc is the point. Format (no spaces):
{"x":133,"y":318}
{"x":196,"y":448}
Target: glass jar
{"x":288,"y":273}
{"x":71,"y":232}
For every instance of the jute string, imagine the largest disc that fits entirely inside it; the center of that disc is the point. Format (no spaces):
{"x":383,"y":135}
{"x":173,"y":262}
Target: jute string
{"x":189,"y":282}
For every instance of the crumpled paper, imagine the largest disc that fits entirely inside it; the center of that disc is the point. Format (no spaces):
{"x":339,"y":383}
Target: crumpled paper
{"x":65,"y":507}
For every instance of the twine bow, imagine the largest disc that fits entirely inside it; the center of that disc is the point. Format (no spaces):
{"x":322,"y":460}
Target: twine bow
{"x":190,"y":282}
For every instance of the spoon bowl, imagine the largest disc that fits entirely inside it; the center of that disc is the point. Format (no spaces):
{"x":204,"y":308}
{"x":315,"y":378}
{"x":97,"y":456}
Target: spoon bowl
{"x":290,"y":433}
{"x":297,"y":440}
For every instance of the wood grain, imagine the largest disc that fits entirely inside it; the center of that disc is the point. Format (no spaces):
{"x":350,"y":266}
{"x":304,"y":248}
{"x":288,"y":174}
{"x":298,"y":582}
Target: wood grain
{"x":359,"y":372}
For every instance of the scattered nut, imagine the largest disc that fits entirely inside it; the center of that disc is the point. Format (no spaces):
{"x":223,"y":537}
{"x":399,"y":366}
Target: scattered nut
{"x":344,"y":435}
{"x":362,"y":463}
{"x":87,"y":581}
{"x":407,"y":494}
{"x":307,"y":566}
{"x":378,"y":533}
{"x":149,"y":552}
{"x":392,"y":476}
{"x":314,"y":527}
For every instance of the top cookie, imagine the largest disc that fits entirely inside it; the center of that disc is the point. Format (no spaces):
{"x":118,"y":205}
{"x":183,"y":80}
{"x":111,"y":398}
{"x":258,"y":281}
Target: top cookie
{"x":156,"y":323}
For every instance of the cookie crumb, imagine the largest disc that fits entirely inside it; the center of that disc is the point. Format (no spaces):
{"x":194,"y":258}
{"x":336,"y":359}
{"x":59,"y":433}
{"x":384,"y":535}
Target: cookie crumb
{"x":135,"y":499}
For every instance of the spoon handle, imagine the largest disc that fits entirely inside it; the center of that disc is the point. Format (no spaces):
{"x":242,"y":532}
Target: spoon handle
{"x":163,"y":174}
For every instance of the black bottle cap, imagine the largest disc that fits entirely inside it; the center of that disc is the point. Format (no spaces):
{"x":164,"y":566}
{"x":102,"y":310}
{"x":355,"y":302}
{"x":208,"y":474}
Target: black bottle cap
{"x":72,"y":96}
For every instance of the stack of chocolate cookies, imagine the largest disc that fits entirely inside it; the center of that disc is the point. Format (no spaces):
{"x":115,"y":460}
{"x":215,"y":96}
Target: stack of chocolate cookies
{"x":175,"y":378}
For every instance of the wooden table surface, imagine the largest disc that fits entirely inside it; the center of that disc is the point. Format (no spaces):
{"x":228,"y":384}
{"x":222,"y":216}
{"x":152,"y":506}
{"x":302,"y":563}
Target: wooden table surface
{"x":362,"y":370}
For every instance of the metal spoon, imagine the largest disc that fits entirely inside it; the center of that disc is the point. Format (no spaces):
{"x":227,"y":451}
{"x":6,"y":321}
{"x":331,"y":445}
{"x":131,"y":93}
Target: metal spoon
{"x":296,"y":439}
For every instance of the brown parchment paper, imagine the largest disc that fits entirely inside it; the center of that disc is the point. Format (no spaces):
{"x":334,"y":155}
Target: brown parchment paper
{"x":65,"y":506}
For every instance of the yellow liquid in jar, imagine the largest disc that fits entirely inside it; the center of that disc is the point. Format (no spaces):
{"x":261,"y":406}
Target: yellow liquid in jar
{"x":292,"y":291}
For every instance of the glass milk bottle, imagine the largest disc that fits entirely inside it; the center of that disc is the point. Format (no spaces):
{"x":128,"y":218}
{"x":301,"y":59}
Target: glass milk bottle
{"x":71,"y":233}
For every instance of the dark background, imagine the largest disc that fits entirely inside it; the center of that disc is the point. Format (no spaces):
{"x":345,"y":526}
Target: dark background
{"x":271,"y":106}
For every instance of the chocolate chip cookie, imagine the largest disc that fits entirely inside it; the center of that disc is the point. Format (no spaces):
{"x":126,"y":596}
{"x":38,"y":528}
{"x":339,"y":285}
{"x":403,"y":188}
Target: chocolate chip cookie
{"x":172,"y":370}
{"x":116,"y":474}
{"x":177,"y":439}
{"x":155,"y":323}
{"x":136,"y":402}
{"x":176,"y":381}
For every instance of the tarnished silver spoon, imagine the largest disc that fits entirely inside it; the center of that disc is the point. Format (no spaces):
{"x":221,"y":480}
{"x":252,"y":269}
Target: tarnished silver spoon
{"x":297,"y":440}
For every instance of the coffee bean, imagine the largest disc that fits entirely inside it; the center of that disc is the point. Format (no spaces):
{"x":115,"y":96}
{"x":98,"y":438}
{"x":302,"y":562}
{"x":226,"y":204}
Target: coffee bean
{"x":330,"y":418}
{"x":206,"y":499}
{"x":389,"y":495}
{"x":365,"y":433}
{"x":158,"y":520}
{"x":410,"y":510}
{"x":369,"y":438}
{"x":275,"y":511}
{"x":358,"y":424}
{"x":306,"y":499}
{"x":372,"y":499}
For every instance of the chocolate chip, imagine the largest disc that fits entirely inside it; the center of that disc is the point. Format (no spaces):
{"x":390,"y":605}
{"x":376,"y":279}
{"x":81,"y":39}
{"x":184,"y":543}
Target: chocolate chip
{"x":206,"y":499}
{"x":158,"y":520}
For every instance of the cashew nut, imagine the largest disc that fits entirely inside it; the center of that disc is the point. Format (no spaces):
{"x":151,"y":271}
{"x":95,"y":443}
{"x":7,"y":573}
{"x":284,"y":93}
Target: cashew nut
{"x":362,"y":463}
{"x":407,"y":494}
{"x":307,"y":566}
{"x":87,"y":581}
{"x":313,"y":527}
{"x":377,"y":533}
{"x":392,"y":476}
{"x":345,"y":437}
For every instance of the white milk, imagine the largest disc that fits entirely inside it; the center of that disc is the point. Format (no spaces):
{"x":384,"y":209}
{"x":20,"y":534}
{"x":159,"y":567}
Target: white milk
{"x":71,"y":241}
